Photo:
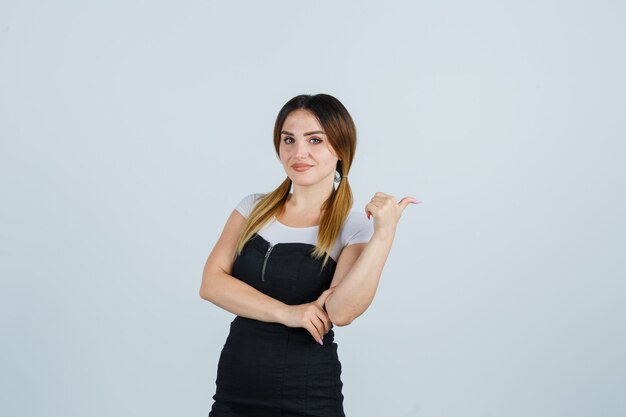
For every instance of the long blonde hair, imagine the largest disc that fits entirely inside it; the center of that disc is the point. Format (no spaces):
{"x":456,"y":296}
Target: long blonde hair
{"x":341,"y":134}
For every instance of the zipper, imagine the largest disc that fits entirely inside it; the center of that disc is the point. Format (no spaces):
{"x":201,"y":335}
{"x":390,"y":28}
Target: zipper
{"x":267,"y":255}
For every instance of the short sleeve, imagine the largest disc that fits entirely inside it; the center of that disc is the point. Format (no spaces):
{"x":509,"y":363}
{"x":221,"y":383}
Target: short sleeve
{"x":358,"y":229}
{"x":246,"y":205}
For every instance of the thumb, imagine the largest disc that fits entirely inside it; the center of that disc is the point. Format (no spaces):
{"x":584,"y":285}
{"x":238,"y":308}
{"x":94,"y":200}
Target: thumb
{"x":322,"y":298}
{"x":406,"y":201}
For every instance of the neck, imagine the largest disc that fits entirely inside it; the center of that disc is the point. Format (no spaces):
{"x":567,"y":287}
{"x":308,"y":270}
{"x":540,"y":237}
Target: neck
{"x":311,"y":197}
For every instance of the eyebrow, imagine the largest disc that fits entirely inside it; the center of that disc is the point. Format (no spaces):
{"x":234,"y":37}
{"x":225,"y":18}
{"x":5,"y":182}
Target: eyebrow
{"x":316,"y":132}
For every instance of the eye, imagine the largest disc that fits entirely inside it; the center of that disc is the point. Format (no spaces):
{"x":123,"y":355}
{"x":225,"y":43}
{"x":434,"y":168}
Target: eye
{"x":315,"y":141}
{"x":288,"y":140}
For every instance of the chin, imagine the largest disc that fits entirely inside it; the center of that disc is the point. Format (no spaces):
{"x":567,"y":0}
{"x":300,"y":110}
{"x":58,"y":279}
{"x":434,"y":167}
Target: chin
{"x":302,"y":183}
{"x":304,"y":180}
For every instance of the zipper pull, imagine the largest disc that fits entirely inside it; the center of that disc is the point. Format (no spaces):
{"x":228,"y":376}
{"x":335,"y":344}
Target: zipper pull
{"x":267,"y":255}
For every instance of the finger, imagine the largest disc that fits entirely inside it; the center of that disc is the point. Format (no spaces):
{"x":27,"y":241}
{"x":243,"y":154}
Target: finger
{"x":406,"y":201}
{"x":370,"y":209}
{"x":327,"y":323}
{"x":324,"y":321}
{"x":381,"y":202}
{"x":313,"y":331}
{"x":321,"y":300}
{"x":374,"y":210}
{"x":377,"y":201}
{"x":319,"y":325}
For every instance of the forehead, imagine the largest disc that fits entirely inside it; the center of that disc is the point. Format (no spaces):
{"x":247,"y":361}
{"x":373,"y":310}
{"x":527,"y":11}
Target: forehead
{"x":301,"y":120}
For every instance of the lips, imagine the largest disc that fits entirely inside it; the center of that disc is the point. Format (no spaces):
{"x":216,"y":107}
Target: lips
{"x":301,"y":167}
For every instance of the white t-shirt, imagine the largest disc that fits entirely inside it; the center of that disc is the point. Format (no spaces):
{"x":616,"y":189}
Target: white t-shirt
{"x":357,"y":229}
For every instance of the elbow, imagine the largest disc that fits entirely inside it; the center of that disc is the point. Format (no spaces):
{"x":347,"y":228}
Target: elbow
{"x":211,"y":287}
{"x":341,"y":320}
{"x":340,"y":315}
{"x":205,"y":291}
{"x":344,"y":315}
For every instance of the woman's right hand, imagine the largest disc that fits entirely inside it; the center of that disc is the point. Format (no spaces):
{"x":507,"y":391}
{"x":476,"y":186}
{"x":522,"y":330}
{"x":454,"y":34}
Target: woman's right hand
{"x":310,"y":316}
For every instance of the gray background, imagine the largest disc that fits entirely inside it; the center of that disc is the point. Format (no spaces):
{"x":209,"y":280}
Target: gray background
{"x":130,"y":129}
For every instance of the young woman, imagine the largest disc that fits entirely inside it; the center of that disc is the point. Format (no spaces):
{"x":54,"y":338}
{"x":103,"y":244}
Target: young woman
{"x":291,"y":263}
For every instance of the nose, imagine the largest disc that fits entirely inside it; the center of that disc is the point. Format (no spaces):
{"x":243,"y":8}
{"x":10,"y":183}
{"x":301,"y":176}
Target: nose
{"x":302,"y":151}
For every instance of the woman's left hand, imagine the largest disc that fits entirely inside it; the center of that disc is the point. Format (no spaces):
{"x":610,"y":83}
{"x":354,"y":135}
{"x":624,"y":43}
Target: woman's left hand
{"x":387,"y":211}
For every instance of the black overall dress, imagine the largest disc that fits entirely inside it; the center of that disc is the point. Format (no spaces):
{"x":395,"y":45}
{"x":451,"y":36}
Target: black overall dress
{"x":268,"y":369}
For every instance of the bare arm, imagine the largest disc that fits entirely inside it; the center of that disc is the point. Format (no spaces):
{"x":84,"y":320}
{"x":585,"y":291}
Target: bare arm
{"x":222,"y":289}
{"x":360,"y":266}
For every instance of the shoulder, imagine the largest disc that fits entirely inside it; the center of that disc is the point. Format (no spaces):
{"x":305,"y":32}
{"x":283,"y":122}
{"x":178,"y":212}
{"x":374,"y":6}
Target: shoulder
{"x":246,"y":204}
{"x":356,"y":229}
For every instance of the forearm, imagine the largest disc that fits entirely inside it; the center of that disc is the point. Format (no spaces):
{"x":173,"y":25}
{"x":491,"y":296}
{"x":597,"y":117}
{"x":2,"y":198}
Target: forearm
{"x":356,"y":290}
{"x":239,"y":298}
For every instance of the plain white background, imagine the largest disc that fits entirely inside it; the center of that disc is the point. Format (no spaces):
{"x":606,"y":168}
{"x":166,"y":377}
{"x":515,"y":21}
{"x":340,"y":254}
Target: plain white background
{"x":130,"y":129}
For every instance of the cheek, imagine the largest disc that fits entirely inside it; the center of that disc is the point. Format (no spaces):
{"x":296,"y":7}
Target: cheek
{"x":331,"y":157}
{"x":284,"y":156}
{"x":331,"y":152}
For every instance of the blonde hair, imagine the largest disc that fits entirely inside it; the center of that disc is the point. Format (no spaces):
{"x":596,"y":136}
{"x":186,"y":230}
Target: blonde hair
{"x":341,"y":134}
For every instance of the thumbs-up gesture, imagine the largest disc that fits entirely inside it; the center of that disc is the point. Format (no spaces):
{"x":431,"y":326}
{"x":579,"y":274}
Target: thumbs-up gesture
{"x":387,"y":211}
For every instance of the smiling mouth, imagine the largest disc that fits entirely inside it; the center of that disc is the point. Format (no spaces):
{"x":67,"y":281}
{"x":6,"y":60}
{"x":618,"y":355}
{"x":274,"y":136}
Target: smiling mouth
{"x":300,"y":167}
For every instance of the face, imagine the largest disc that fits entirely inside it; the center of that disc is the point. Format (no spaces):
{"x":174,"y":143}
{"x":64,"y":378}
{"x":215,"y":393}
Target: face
{"x":305,"y":152}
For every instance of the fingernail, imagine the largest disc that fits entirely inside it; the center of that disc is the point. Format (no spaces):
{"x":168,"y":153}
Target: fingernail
{"x":368,"y":216}
{"x":321,"y":342}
